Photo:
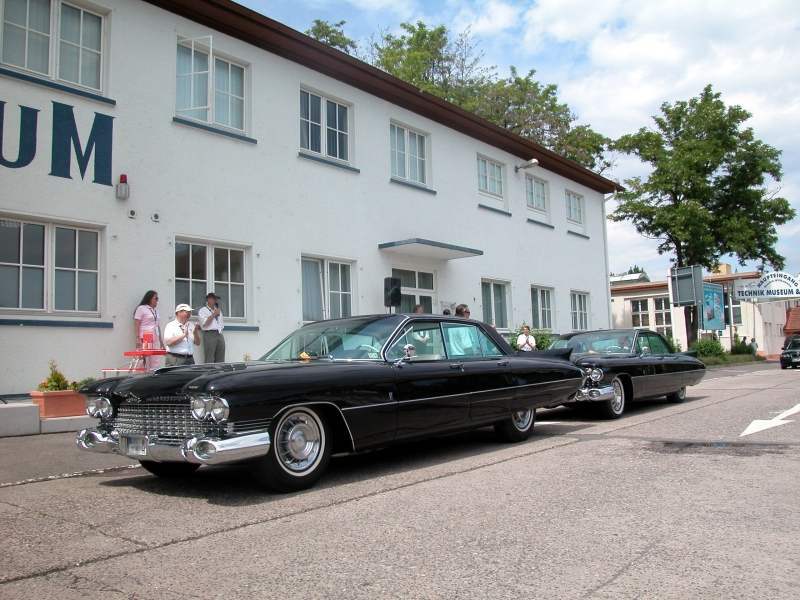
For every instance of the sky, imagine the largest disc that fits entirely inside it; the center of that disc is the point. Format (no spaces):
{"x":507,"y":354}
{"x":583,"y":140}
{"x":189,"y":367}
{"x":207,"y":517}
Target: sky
{"x":615,"y":62}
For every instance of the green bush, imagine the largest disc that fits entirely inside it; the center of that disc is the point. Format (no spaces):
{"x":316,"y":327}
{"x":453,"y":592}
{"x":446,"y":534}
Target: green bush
{"x":57,"y":382}
{"x":709,"y":347}
{"x":739,"y":347}
{"x":543,"y":338}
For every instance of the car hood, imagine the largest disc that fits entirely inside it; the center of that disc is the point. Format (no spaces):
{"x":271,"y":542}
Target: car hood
{"x":221,"y":376}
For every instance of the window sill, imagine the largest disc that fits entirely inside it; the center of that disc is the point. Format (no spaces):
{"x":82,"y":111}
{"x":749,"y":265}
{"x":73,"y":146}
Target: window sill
{"x":214,"y":129}
{"x":417,"y":186}
{"x":241,"y":328}
{"x":493,"y":209}
{"x":327,"y":161}
{"x":540,"y":223}
{"x":53,"y":323}
{"x":63,"y":87}
{"x":578,"y":234}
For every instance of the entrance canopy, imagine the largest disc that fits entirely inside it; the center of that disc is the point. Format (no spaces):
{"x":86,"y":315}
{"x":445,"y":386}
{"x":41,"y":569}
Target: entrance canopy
{"x":428,"y":249}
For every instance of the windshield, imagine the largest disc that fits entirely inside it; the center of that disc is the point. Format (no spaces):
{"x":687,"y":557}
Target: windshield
{"x":342,"y":339}
{"x":598,"y":342}
{"x":794,"y":345}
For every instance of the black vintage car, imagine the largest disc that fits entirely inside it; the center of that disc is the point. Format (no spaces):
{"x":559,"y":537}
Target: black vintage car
{"x":330,"y":387}
{"x":622,"y":365}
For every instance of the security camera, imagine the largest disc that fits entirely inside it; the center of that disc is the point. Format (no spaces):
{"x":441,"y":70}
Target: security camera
{"x":527,"y":165}
{"x":131,"y":214}
{"x":155,"y":217}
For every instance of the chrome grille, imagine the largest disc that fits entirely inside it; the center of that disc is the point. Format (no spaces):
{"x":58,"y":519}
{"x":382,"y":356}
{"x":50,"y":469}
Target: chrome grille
{"x":167,"y":417}
{"x":251,"y":425}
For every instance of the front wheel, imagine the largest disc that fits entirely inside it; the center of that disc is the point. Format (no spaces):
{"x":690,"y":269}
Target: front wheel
{"x":613,"y":409}
{"x":677,"y":397}
{"x":517,"y":427}
{"x":169,"y":469}
{"x":299,"y":454}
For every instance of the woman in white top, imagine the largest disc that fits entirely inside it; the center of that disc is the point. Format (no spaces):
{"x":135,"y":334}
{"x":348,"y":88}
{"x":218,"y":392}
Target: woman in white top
{"x":526,"y":342}
{"x":146,"y":320}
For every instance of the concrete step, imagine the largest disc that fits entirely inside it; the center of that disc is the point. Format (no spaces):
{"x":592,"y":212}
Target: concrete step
{"x":22,"y":418}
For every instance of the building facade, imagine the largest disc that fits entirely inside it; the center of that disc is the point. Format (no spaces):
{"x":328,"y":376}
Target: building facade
{"x":647,"y":305}
{"x":287,"y":177}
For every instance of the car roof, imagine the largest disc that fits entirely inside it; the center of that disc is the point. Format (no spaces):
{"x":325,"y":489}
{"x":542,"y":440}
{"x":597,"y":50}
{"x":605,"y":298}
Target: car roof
{"x":567,"y":336}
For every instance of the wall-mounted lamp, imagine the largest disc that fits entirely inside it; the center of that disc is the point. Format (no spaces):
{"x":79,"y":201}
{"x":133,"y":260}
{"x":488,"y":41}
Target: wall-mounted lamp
{"x":531,"y":163}
{"x":123,"y":191}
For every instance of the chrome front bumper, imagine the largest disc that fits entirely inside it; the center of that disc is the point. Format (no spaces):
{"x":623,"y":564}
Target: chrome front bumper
{"x":594,"y":394}
{"x":197,"y":450}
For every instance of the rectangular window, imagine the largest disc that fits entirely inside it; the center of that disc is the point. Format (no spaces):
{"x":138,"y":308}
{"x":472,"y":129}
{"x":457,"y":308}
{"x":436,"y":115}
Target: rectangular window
{"x":574,"y":208}
{"x":663,"y":316}
{"x":26,"y":35}
{"x":640,"y":314}
{"x":733,"y":309}
{"x":579,"y":308}
{"x":541,"y":308}
{"x":416,"y":287}
{"x":494,"y":296}
{"x":327,"y":289}
{"x":212,"y":91}
{"x":490,"y":176}
{"x":203,"y":268}
{"x":327,"y":128}
{"x":70,"y":269}
{"x":536,"y":193}
{"x":80,"y":48}
{"x":407,"y":149}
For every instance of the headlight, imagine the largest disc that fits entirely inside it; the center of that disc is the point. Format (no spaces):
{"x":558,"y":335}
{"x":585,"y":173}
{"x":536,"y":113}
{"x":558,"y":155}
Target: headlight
{"x":91,"y":407}
{"x":596,"y":375}
{"x":219,"y":410}
{"x":99,"y":408}
{"x":201,"y":406}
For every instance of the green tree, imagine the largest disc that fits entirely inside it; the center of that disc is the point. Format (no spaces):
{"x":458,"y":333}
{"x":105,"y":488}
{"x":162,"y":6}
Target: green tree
{"x":333,"y":35}
{"x":707,"y":193}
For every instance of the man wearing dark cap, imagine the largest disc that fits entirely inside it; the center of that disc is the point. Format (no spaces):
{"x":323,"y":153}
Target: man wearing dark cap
{"x":210,"y":321}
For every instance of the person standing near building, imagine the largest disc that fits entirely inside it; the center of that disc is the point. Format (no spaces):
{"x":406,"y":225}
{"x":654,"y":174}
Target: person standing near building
{"x":753,"y":346}
{"x":526,"y":342}
{"x":212,"y":324}
{"x":180,"y":337}
{"x":147,"y":324}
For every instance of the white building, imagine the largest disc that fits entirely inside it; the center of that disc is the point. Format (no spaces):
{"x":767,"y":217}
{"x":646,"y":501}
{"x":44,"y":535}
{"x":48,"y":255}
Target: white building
{"x":286,"y":176}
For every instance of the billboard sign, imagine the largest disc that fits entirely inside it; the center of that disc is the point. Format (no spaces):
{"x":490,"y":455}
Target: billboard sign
{"x":687,"y":285}
{"x":772,"y":286}
{"x":713,"y":309}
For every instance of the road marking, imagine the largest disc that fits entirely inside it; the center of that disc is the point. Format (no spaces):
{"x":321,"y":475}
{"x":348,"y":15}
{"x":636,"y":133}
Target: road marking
{"x":763,"y":424}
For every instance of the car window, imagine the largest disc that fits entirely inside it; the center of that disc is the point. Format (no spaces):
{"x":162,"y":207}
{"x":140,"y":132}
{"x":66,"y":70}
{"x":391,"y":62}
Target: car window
{"x":461,"y":341}
{"x":642,"y":347}
{"x":426,"y":339}
{"x":657,"y":345}
{"x":488,"y":348}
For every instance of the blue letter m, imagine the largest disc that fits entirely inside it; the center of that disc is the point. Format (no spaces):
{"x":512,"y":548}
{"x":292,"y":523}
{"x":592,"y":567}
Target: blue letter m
{"x":65,"y":137}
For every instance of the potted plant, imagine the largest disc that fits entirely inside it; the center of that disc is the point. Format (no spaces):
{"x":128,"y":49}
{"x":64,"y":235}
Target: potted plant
{"x":58,"y":397}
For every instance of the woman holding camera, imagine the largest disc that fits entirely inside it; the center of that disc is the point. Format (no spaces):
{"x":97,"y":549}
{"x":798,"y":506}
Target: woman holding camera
{"x":147,"y":325}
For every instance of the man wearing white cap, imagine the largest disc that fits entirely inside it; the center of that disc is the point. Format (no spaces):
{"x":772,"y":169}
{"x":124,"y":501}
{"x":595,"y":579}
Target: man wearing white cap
{"x":176,"y":337}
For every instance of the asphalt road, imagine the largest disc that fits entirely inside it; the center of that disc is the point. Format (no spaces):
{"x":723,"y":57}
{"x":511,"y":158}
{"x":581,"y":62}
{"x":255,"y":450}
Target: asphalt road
{"x":667,"y":502}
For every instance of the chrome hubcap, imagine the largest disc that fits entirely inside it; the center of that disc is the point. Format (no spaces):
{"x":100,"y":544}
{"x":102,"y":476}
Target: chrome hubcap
{"x":522,"y":419}
{"x":299,"y":441}
{"x":618,"y":403}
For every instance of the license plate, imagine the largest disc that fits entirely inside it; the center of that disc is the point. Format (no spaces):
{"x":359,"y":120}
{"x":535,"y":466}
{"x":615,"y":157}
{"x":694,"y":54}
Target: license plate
{"x":134,"y":445}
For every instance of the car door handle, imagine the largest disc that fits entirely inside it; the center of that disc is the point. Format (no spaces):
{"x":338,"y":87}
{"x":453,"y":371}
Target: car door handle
{"x":502,"y":363}
{"x":458,"y":366}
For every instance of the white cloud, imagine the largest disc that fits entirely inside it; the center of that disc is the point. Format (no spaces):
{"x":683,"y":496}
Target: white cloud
{"x":494,"y":17}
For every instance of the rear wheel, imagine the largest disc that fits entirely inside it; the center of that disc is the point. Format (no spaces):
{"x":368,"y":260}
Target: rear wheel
{"x":677,"y":397}
{"x":517,"y":427}
{"x":613,"y":409}
{"x":169,"y":469}
{"x":299,"y":454}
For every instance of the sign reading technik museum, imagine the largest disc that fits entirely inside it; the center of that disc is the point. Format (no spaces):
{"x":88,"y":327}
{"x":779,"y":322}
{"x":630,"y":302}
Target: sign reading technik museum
{"x":772,"y":286}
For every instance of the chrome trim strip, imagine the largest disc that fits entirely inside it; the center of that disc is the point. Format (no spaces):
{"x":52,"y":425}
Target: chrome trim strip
{"x":672,"y":373}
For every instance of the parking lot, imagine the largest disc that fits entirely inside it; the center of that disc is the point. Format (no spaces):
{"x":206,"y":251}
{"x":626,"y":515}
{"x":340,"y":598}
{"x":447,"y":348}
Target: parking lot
{"x":670,"y":502}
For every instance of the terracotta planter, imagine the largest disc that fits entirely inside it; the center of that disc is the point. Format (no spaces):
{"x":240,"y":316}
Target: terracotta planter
{"x":59,"y":404}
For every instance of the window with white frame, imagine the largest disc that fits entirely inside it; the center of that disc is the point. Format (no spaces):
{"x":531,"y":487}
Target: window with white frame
{"x":209,"y":88}
{"x":202,"y":268}
{"x":36,"y":31}
{"x":640,"y":313}
{"x":490,"y":176}
{"x":328,"y":128}
{"x":541,"y":308}
{"x":327,"y":289}
{"x":663,"y":316}
{"x":733,"y":308}
{"x":494,"y":296}
{"x":416,"y":287}
{"x":536,"y":193}
{"x":574,"y":208}
{"x":47,"y":267}
{"x":579,"y":309}
{"x":407,"y":149}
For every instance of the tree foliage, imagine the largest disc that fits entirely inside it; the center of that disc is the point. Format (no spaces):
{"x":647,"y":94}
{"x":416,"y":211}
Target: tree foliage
{"x":333,"y":35}
{"x":707,"y":194}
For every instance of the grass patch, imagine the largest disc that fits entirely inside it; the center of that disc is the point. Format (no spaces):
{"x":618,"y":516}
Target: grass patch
{"x":730,"y":359}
